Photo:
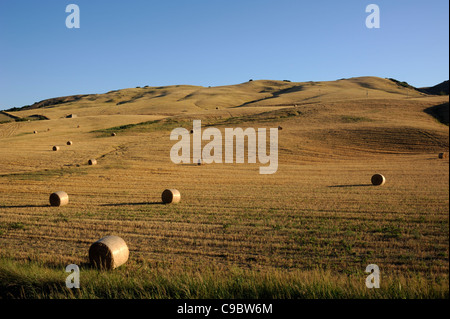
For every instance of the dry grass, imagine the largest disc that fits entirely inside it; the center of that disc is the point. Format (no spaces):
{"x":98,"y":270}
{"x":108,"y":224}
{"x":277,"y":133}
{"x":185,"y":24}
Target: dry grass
{"x":319,"y":211}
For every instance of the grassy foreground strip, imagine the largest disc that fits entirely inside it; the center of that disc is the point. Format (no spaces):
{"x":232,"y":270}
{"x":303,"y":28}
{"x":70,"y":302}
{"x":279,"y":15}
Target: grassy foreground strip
{"x":31,"y":280}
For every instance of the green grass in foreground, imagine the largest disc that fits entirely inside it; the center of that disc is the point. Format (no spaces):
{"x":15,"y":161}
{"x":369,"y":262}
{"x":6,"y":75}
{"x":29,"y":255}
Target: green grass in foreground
{"x":31,"y":280}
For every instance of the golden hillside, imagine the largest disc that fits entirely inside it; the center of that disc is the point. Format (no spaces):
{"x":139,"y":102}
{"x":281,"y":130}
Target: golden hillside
{"x":184,"y":98}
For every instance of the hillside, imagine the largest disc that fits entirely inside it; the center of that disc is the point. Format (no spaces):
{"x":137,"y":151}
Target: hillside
{"x":5,"y":117}
{"x":365,"y":102}
{"x":440,"y":112}
{"x":187,"y":99}
{"x":439,"y":89}
{"x":364,"y":114}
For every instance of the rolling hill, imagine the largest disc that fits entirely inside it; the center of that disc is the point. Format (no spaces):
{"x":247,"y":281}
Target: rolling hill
{"x":365,"y":114}
{"x":185,"y":98}
{"x":439,"y":89}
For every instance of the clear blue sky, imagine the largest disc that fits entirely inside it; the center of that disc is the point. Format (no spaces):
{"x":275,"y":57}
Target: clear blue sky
{"x":124,"y":44}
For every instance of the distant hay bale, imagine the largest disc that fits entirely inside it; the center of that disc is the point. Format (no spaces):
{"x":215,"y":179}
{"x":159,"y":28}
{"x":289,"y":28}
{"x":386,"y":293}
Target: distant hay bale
{"x":55,"y":148}
{"x":113,"y":134}
{"x":69,"y":142}
{"x":78,"y":126}
{"x":170,"y":196}
{"x":378,"y":180}
{"x":280,"y":128}
{"x":109,"y":252}
{"x":92,"y":162}
{"x":443,"y":155}
{"x":34,"y":132}
{"x":48,"y":130}
{"x":59,"y":199}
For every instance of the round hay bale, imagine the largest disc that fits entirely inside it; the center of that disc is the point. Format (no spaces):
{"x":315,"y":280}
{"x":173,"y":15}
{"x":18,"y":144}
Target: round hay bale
{"x":69,"y":143}
{"x":109,"y":252}
{"x":378,"y":180}
{"x":59,"y":199}
{"x":280,"y":128}
{"x":170,"y":196}
{"x":113,"y":134}
{"x":55,"y":148}
{"x":443,"y":155}
{"x":92,"y":161}
{"x":78,"y":126}
{"x":34,"y":132}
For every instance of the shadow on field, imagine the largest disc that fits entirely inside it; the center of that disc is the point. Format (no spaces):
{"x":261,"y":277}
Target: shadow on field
{"x":356,"y":185}
{"x":134,"y":204}
{"x":25,"y":206}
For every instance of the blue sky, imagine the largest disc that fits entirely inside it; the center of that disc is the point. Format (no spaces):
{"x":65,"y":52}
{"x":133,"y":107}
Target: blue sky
{"x":122,"y":44}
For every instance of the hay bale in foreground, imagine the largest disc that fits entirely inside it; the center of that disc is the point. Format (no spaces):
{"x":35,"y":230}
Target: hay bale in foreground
{"x":59,"y":199}
{"x":55,"y":148}
{"x":378,"y":180}
{"x":170,"y":196}
{"x":113,"y":134}
{"x":443,"y":155}
{"x":109,"y":252}
{"x":69,"y":143}
{"x":92,"y":161}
